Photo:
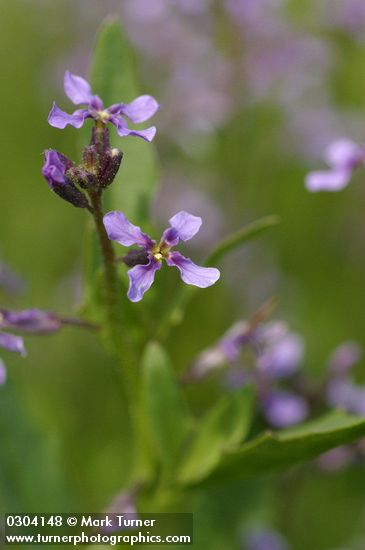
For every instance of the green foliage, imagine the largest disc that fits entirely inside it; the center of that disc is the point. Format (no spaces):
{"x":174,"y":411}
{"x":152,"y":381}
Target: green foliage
{"x":241,"y":237}
{"x":279,"y":450}
{"x":166,"y":417}
{"x":224,"y":426}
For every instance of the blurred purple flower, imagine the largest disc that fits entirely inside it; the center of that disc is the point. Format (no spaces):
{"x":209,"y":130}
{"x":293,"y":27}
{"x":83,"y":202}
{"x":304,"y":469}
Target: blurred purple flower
{"x":347,"y":15}
{"x":34,"y":321}
{"x":343,"y":156}
{"x":78,"y":90}
{"x":284,"y":409}
{"x":336,"y":459}
{"x":13,"y":343}
{"x":10,"y":281}
{"x":183,"y":226}
{"x":123,"y":504}
{"x":341,"y":391}
{"x":343,"y":358}
{"x":265,"y":539}
{"x":277,"y":355}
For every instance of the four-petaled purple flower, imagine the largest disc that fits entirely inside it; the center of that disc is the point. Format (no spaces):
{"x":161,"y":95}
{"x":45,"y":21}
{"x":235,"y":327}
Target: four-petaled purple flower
{"x":343,"y":156}
{"x":78,"y":90}
{"x":33,"y":321}
{"x":183,"y":226}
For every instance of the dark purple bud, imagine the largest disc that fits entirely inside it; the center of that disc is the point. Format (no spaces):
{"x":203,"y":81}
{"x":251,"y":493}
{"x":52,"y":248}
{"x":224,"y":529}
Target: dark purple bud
{"x":135,"y":257}
{"x":54,"y":170}
{"x":109,"y":166}
{"x":81,"y":177}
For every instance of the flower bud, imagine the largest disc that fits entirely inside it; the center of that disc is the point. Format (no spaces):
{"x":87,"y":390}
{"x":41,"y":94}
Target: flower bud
{"x":81,"y":177}
{"x":135,"y":257}
{"x":109,"y":166}
{"x":54,"y":171}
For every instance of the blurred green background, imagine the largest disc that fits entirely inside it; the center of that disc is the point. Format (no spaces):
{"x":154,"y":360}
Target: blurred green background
{"x":61,"y":421}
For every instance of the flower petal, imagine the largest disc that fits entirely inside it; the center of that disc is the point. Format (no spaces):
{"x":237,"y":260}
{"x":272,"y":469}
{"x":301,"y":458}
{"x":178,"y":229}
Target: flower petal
{"x":141,"y":278}
{"x":343,"y":153}
{"x":121,"y":230}
{"x":11,"y":342}
{"x":328,"y":180}
{"x":191,"y":273}
{"x":59,"y":119}
{"x":2,"y":373}
{"x":55,"y":166}
{"x":183,"y":226}
{"x":77,"y":88}
{"x":141,"y":109}
{"x":283,"y":409}
{"x":122,"y":128}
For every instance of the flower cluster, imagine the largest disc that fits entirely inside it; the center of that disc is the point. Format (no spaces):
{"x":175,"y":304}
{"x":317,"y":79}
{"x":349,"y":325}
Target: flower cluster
{"x":100,"y":162}
{"x":277,"y":354}
{"x":82,"y":186}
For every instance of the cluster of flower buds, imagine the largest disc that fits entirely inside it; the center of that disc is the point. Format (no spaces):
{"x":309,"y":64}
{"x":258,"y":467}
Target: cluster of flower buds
{"x":100,"y":162}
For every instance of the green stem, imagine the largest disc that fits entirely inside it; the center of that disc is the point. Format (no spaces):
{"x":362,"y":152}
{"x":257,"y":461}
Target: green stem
{"x":120,"y":340}
{"x":117,"y":335}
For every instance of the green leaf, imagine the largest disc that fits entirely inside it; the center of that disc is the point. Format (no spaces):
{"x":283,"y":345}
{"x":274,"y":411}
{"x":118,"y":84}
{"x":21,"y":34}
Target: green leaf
{"x":166,"y":417}
{"x":281,"y":450}
{"x":114,"y":78}
{"x":242,"y":236}
{"x":225,"y":426}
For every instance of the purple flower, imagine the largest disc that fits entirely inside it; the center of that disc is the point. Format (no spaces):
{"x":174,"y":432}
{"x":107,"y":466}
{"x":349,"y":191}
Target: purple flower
{"x":343,"y":358}
{"x":343,"y":156}
{"x":11,"y":282}
{"x":283,"y":409}
{"x":9,"y":342}
{"x":35,"y":321}
{"x":78,"y":90}
{"x":55,"y":170}
{"x":183,"y":226}
{"x":266,"y":539}
{"x":277,"y":355}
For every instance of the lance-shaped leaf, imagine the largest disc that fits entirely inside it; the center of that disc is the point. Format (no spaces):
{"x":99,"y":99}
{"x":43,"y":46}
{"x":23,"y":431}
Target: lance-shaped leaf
{"x":240,"y":237}
{"x":166,"y":418}
{"x":281,"y":450}
{"x":225,"y":426}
